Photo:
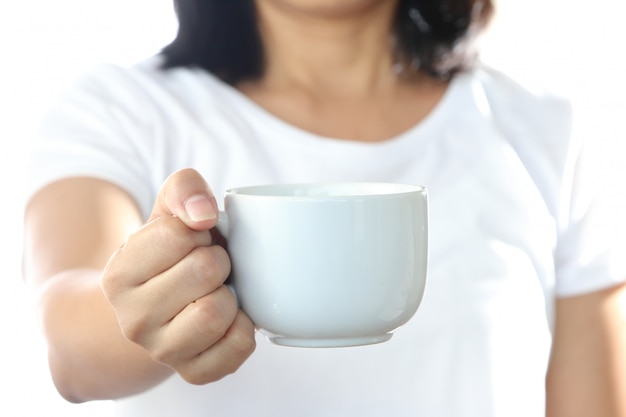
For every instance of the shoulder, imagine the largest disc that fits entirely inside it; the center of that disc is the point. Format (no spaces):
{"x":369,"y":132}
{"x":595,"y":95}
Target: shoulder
{"x":499,"y":85}
{"x":147,"y":85}
{"x":535,"y":123}
{"x":529,"y":118}
{"x":519,"y":105}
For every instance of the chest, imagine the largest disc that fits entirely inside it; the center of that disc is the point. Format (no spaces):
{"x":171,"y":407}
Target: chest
{"x":492,"y":236}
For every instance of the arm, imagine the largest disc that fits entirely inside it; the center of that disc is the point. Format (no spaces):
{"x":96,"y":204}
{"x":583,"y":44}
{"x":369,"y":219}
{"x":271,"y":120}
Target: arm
{"x":105,"y":317}
{"x":68,"y":240}
{"x":587,"y":373}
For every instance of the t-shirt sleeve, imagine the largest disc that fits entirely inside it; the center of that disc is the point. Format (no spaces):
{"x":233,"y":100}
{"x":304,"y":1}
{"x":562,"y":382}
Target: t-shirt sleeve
{"x":96,"y":129}
{"x":591,"y":250}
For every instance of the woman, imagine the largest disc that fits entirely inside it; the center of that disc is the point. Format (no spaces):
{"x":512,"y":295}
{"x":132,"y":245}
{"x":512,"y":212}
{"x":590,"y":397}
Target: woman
{"x":131,"y":280}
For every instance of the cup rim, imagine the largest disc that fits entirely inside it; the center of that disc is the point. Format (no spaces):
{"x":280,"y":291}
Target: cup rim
{"x":327,"y":190}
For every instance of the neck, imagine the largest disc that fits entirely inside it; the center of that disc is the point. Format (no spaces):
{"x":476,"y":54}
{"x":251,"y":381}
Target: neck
{"x":346,"y":52}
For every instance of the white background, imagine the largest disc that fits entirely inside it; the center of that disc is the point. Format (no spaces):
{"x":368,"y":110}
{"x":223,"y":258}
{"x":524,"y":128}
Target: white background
{"x":570,"y":46}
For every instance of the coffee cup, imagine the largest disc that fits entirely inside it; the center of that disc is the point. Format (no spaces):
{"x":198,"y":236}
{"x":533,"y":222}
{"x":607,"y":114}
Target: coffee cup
{"x":327,"y":265}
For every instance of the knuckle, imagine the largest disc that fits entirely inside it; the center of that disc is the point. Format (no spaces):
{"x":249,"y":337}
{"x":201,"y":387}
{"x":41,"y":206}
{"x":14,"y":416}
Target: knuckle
{"x":243,"y":345}
{"x":172,"y":231}
{"x":196,"y":377}
{"x":223,"y":358}
{"x":199,"y":371}
{"x":144,"y":335}
{"x":112,"y":279}
{"x":240,"y":349}
{"x":165,"y":354}
{"x":109,"y":283}
{"x":135,"y":327}
{"x":210,"y":263}
{"x":213,"y":317}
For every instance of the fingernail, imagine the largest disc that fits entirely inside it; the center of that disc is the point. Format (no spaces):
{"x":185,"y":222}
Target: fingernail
{"x":199,"y":208}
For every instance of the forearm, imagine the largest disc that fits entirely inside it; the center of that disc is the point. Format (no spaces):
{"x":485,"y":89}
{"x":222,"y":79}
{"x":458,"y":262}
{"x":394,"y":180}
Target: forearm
{"x":89,"y":357}
{"x":587,"y":374}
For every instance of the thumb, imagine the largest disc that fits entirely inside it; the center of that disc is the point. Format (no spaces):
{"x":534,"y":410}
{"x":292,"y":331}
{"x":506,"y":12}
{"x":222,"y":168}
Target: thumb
{"x":186,"y":195}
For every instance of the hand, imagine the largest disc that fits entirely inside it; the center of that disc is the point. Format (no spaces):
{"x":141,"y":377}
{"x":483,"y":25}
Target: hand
{"x":166,"y":285}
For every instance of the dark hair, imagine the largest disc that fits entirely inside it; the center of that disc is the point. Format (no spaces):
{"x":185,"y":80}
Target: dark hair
{"x":222,"y":36}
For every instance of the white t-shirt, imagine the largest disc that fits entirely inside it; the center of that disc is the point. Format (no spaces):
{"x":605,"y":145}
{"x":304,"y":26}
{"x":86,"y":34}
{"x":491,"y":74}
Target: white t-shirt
{"x":508,"y":234}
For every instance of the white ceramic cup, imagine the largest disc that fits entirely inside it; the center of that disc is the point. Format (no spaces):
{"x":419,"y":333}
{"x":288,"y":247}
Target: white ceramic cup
{"x":327,"y":265}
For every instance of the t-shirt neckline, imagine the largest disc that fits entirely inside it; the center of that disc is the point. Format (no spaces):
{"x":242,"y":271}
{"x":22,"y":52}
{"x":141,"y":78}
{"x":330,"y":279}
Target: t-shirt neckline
{"x":421,"y":129}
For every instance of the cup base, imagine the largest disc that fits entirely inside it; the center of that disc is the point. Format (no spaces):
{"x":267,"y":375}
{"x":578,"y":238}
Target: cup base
{"x":330,"y":342}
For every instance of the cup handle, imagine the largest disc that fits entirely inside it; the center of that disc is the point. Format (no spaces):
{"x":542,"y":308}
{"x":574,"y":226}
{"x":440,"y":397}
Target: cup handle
{"x":223,"y":225}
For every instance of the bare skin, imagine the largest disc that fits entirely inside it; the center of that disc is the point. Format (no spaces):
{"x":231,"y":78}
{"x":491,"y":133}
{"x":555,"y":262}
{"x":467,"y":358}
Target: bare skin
{"x":85,"y":237}
{"x":134,"y":337}
{"x":332,"y":72}
{"x":587,"y":374}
